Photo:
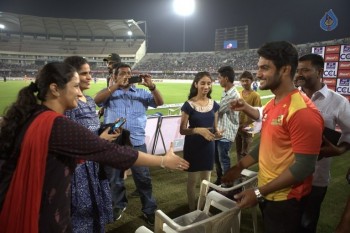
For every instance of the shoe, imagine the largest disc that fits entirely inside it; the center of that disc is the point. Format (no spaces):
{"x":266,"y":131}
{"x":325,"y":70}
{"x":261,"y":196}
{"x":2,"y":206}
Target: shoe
{"x":117,"y":213}
{"x":135,"y":194}
{"x":149,"y":218}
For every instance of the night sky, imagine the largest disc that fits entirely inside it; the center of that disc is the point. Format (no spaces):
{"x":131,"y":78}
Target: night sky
{"x":296,"y":20}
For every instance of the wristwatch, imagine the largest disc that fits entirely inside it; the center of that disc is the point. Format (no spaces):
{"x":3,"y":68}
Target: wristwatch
{"x":258,"y":195}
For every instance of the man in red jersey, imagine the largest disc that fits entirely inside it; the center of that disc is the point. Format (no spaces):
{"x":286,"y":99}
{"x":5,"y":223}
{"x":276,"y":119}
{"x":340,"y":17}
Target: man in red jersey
{"x":286,"y":155}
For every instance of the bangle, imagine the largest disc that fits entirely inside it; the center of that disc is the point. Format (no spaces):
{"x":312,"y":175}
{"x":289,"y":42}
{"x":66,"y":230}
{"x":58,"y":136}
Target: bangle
{"x":110,"y":92}
{"x":162,"y":163}
{"x":152,"y":89}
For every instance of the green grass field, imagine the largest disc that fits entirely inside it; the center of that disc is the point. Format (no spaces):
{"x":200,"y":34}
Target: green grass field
{"x":172,"y":93}
{"x":170,"y":187}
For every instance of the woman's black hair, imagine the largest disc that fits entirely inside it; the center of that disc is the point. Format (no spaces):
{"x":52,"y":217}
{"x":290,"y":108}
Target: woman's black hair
{"x":28,"y":100}
{"x":197,"y":77}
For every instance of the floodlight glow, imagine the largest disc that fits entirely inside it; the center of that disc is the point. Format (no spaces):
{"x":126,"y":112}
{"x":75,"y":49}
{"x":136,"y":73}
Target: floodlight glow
{"x":129,"y":33}
{"x":2,"y":26}
{"x":184,"y":7}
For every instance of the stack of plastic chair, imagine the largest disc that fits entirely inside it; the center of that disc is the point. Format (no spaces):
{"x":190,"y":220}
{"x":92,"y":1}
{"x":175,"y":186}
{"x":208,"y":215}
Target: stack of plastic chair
{"x":201,"y":221}
{"x":224,"y":219}
{"x":248,"y":180}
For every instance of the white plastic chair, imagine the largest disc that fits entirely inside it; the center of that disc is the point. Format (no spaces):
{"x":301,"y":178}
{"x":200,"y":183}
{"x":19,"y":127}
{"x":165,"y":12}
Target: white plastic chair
{"x":201,"y":221}
{"x":249,"y":180}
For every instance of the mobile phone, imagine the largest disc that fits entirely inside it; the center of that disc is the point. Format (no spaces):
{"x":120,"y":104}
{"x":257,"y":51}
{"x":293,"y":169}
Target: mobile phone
{"x":135,"y":79}
{"x":117,"y":125}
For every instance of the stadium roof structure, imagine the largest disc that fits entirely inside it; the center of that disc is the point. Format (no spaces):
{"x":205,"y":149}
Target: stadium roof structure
{"x":65,"y":29}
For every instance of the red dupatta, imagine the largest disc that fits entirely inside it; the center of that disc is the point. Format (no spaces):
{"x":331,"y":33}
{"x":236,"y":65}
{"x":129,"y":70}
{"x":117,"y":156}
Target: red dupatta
{"x":20,"y":211}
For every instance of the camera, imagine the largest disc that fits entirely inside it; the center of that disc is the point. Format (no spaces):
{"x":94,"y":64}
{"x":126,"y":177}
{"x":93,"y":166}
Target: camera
{"x":135,"y":79}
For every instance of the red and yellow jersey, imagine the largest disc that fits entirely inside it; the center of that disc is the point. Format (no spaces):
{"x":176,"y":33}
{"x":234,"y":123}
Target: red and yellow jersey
{"x":294,"y":125}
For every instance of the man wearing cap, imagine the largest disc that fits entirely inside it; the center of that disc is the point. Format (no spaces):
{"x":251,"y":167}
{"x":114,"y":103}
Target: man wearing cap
{"x":111,"y":59}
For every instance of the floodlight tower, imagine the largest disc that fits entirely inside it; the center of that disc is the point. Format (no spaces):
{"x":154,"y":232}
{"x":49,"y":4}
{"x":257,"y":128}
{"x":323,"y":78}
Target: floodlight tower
{"x":184,"y":8}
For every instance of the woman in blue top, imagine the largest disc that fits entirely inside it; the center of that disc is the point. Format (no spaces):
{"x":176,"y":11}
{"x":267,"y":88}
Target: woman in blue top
{"x":199,"y":124}
{"x":91,"y":207}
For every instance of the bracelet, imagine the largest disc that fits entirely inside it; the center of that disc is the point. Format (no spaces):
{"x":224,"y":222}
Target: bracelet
{"x":110,"y":92}
{"x":152,"y":89}
{"x":162,"y":163}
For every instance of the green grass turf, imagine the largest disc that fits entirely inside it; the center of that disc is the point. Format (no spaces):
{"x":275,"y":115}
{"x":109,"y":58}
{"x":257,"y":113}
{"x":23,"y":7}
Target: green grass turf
{"x":172,"y":93}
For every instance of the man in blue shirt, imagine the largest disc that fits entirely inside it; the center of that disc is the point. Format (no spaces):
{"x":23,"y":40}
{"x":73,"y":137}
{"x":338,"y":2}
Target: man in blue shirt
{"x":123,"y":99}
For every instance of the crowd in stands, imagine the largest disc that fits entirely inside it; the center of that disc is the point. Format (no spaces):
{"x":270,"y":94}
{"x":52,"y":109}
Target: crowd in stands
{"x":210,"y":61}
{"x":185,"y":64}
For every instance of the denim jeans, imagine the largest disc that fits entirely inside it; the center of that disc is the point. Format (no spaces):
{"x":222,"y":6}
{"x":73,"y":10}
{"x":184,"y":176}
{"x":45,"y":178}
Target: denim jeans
{"x":143,"y":183}
{"x":222,"y":157}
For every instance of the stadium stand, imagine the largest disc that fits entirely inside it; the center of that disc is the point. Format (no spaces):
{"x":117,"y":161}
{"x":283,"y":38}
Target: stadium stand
{"x":29,"y":42}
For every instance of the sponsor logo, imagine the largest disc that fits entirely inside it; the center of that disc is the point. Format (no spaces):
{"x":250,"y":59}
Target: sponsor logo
{"x":343,"y":90}
{"x":344,"y":65}
{"x":329,"y":21}
{"x":344,"y":74}
{"x":318,"y":50}
{"x":346,"y":48}
{"x":331,"y":57}
{"x":345,"y":57}
{"x":344,"y":82}
{"x":343,"y":86}
{"x":330,"y":70}
{"x":330,"y":81}
{"x":330,"y":73}
{"x":331,"y":65}
{"x":332,"y":49}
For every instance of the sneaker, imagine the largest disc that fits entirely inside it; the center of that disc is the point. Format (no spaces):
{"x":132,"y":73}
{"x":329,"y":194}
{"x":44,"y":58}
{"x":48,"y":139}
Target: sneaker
{"x":135,"y":194}
{"x":117,"y":213}
{"x":149,"y":218}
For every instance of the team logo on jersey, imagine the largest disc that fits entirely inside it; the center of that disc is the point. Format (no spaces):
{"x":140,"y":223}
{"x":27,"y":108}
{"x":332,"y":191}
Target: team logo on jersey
{"x":277,"y":121}
{"x":329,"y":21}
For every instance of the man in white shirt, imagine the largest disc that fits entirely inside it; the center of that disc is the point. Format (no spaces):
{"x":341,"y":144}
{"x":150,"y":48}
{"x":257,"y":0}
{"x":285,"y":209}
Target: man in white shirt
{"x":335,"y":110}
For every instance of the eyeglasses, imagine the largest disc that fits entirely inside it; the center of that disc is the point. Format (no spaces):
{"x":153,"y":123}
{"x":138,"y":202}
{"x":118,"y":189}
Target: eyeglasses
{"x":85,"y":73}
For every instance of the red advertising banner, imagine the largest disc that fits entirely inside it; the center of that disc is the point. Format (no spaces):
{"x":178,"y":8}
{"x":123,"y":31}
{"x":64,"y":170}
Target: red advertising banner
{"x":344,"y":65}
{"x":336,"y":72}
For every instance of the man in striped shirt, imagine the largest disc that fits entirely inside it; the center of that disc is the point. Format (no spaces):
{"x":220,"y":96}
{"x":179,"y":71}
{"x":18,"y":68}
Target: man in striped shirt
{"x":228,"y":121}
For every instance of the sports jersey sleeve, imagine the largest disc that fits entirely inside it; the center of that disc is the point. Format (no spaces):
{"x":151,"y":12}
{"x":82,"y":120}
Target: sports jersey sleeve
{"x":306,"y":127}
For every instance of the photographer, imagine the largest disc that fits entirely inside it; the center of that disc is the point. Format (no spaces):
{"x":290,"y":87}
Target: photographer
{"x":123,"y":99}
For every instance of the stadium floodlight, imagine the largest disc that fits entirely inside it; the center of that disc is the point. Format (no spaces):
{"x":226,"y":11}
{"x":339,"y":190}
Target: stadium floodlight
{"x":184,"y":8}
{"x":129,"y":33}
{"x":2,"y":26}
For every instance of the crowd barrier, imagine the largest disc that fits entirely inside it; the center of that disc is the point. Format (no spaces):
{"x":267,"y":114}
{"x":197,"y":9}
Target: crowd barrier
{"x":161,"y":131}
